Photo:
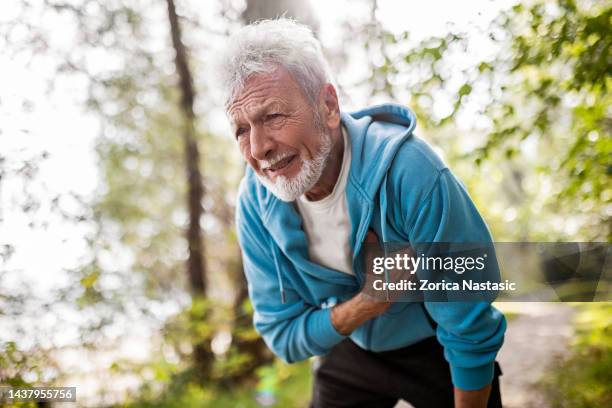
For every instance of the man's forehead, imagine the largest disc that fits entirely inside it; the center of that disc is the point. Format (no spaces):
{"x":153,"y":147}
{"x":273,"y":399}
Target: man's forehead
{"x":263,"y":90}
{"x":253,"y":109}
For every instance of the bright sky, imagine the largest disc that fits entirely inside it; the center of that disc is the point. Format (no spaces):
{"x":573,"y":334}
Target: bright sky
{"x":58,"y":124}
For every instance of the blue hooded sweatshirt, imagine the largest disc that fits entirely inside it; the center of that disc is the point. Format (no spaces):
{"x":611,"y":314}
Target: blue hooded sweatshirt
{"x":398,"y":187}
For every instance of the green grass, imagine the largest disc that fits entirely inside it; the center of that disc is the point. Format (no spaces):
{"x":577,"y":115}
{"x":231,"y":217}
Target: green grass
{"x":290,"y":386}
{"x":583,"y":379}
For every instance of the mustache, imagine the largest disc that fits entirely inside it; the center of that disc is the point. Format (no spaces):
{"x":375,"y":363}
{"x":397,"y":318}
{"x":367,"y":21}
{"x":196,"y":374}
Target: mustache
{"x":265,"y":164}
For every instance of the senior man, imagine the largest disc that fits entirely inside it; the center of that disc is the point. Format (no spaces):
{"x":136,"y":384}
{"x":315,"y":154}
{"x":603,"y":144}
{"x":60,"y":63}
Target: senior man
{"x":319,"y":183}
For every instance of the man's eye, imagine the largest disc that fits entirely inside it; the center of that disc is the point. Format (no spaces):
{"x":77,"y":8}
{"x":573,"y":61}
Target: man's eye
{"x":241,"y":132}
{"x":273,"y":116}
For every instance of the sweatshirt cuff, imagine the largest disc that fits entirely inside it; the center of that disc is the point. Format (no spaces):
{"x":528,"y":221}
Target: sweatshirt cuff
{"x":327,"y":336}
{"x":470,"y":379}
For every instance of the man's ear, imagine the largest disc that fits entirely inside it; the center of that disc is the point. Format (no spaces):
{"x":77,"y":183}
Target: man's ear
{"x":330,"y":106}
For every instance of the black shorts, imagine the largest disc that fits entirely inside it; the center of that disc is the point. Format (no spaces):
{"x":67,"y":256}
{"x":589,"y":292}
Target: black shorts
{"x":349,"y":376}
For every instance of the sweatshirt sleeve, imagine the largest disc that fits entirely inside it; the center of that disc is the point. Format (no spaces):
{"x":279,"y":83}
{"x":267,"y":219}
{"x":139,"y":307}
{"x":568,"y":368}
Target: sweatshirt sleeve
{"x":471,"y":332}
{"x":293,"y":329}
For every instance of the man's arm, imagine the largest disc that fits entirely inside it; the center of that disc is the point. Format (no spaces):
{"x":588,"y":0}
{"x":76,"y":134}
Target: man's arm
{"x":471,"y":332}
{"x":292,"y":329}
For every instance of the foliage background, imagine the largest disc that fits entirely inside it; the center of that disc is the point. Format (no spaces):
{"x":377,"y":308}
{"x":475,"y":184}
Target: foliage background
{"x":519,"y":106}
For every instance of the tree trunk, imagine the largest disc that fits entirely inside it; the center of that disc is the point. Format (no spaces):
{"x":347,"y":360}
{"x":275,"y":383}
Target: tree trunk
{"x":196,"y":267}
{"x":256,"y":349}
{"x":265,"y":9}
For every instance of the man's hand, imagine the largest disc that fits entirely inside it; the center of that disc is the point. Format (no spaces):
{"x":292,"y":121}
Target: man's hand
{"x":472,"y":399}
{"x":351,"y":314}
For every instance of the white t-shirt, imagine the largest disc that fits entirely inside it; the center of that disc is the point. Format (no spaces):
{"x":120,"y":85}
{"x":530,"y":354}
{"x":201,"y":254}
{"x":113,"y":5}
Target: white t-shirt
{"x":326,"y":222}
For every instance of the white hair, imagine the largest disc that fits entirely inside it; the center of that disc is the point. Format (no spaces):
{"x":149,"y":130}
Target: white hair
{"x":261,"y":47}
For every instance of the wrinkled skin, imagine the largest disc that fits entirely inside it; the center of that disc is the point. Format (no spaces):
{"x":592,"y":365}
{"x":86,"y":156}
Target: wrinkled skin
{"x":271,"y":119}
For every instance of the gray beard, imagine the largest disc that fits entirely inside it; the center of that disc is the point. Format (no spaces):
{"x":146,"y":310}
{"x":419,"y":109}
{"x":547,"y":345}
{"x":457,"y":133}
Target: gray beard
{"x":289,"y":189}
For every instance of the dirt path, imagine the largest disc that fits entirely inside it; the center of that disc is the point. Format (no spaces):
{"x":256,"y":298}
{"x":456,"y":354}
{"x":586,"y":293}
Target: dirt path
{"x":534,"y":339}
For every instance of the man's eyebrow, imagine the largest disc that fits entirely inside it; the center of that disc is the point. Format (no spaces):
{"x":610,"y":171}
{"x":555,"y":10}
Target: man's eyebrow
{"x":258,"y":112}
{"x":266,"y":107}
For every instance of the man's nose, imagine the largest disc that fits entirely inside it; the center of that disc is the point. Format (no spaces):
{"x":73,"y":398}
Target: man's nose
{"x":261,"y":144}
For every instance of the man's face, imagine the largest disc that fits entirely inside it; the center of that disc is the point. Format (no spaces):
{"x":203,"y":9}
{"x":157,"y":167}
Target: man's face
{"x":276,"y":131}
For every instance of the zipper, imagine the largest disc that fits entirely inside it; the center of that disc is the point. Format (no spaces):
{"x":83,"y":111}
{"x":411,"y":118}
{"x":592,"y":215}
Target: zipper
{"x":363,"y":229}
{"x":279,"y":277}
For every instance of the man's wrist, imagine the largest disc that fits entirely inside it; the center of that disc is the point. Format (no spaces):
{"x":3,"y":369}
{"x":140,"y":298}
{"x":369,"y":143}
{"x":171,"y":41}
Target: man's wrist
{"x":472,"y":399}
{"x":349,"y":315}
{"x":342,"y":318}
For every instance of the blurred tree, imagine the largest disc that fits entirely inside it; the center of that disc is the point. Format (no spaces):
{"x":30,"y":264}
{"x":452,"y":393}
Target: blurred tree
{"x":248,"y":349}
{"x":265,"y":9}
{"x":539,"y":112}
{"x":196,"y":269}
{"x":21,"y":365}
{"x":140,"y":211}
{"x":555,"y":93}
